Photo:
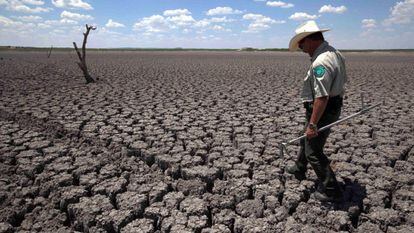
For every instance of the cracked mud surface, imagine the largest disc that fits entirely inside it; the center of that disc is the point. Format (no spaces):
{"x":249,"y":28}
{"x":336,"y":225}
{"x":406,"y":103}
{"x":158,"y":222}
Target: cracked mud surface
{"x":188,"y":142}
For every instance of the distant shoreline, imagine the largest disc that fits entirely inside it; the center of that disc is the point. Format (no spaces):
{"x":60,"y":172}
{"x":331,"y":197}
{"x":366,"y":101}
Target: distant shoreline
{"x":18,"y":48}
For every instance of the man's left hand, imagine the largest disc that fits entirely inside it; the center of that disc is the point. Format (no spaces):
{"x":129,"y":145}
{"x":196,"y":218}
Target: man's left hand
{"x":311,"y":133}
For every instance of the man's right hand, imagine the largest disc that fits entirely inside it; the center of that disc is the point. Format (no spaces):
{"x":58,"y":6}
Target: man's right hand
{"x":311,"y":132}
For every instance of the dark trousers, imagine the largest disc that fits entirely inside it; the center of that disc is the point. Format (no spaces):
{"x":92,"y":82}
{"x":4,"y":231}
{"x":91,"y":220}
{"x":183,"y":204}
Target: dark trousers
{"x":311,"y":150}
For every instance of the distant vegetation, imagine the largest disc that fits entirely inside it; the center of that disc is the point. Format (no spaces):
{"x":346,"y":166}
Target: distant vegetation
{"x":248,"y":49}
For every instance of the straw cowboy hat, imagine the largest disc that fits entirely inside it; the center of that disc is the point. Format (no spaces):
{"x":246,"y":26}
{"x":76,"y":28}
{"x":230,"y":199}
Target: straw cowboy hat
{"x":303,"y":31}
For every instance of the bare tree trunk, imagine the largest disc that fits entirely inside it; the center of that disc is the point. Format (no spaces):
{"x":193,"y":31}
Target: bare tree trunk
{"x":50,"y":51}
{"x":82,"y":57}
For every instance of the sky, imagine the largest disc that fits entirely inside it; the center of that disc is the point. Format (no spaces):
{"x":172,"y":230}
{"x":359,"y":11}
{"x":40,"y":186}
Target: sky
{"x":354,"y":24}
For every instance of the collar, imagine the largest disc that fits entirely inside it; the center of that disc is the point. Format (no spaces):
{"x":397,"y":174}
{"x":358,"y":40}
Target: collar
{"x":322,"y":47}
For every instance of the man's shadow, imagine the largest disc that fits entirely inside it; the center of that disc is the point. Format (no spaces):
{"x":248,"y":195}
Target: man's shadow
{"x":354,"y":194}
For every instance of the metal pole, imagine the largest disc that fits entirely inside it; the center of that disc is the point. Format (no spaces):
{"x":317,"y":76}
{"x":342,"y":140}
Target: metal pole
{"x":283,"y":145}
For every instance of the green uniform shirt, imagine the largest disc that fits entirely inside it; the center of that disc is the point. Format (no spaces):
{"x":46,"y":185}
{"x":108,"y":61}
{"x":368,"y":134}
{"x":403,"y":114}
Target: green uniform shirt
{"x":326,"y":75}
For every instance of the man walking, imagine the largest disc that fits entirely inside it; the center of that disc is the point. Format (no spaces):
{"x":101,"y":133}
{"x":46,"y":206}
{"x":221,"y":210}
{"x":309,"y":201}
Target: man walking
{"x":322,"y":93}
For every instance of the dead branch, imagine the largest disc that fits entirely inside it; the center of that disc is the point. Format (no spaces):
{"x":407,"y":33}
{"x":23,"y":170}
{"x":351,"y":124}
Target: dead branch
{"x":50,"y":51}
{"x":82,"y":57}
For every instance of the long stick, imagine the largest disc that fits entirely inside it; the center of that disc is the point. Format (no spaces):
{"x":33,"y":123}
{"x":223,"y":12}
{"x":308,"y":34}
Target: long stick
{"x":283,"y":145}
{"x":337,"y":122}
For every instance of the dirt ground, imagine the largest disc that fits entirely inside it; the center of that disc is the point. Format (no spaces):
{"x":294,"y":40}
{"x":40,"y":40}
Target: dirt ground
{"x":189,"y":142}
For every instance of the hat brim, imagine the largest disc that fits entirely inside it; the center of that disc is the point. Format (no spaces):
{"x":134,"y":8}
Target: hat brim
{"x":294,"y":42}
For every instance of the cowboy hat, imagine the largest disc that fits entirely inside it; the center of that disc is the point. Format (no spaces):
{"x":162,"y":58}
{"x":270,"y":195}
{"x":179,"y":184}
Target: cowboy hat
{"x":303,"y":31}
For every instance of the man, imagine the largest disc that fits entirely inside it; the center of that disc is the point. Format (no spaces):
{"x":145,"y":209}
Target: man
{"x":322,"y":93}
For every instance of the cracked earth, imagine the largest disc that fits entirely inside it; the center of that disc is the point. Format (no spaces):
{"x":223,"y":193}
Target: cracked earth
{"x":189,"y":142}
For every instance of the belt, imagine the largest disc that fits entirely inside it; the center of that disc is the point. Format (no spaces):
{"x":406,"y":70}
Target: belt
{"x":334,"y":102}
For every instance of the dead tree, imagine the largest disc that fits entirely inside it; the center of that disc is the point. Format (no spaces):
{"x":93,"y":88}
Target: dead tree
{"x":82,"y":57}
{"x":50,"y":51}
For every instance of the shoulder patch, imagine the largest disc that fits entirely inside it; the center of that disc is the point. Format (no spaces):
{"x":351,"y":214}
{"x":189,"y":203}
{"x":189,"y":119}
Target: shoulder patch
{"x":319,"y":71}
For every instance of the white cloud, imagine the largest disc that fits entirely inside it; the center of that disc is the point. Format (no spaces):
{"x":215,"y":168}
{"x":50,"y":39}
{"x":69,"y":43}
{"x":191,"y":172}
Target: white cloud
{"x":212,"y":24}
{"x":75,"y":16}
{"x":279,"y":4}
{"x":218,"y":28}
{"x":223,"y":11}
{"x":202,"y":23}
{"x":113,"y":24}
{"x":34,"y":2}
{"x":54,"y":23}
{"x":369,"y":23}
{"x":11,"y":34}
{"x":256,"y":17}
{"x":223,"y":19}
{"x":259,"y":22}
{"x":332,"y":9}
{"x":4,"y":21}
{"x":207,"y":38}
{"x":43,"y":25}
{"x":154,"y":23}
{"x":8,"y":26}
{"x":29,"y":18}
{"x":107,"y":32}
{"x":72,"y":4}
{"x":19,"y":6}
{"x":206,"y":22}
{"x":181,"y":20}
{"x":257,"y":27}
{"x":66,"y":21}
{"x":302,"y":16}
{"x":401,"y":13}
{"x":177,"y":12}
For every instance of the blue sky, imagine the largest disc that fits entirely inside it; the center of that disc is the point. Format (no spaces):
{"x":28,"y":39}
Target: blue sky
{"x":356,"y":24}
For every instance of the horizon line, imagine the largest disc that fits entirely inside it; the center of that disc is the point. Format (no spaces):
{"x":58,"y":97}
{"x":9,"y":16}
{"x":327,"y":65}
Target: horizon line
{"x":12,"y":47}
